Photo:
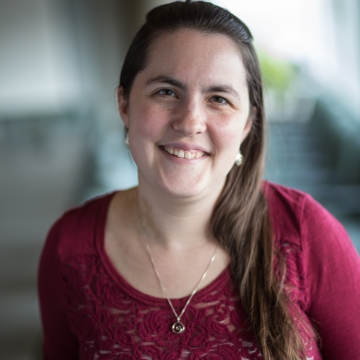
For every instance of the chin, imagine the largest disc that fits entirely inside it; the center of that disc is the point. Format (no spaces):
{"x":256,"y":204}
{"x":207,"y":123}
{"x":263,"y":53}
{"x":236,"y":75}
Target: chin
{"x":184,"y":192}
{"x":182,"y":184}
{"x":187,"y":189}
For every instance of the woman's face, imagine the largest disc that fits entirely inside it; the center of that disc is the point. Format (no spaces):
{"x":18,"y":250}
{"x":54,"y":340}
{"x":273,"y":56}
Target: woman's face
{"x":187,"y":113}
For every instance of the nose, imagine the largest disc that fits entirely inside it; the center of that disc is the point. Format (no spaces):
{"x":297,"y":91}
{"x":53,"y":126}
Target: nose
{"x":190,"y":118}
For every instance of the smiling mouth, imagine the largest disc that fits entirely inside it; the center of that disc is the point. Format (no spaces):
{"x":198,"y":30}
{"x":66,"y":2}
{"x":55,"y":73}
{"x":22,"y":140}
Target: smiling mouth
{"x":184,"y":154}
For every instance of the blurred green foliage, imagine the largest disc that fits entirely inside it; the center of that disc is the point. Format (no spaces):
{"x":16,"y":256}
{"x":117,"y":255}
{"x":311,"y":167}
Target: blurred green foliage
{"x":278,"y":74}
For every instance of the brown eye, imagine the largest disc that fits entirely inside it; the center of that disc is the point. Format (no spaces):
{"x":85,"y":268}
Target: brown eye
{"x":219,"y":100}
{"x":166,"y":92}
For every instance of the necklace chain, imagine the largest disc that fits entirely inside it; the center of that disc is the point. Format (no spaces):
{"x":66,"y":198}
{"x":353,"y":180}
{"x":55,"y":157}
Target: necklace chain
{"x":178,"y":327}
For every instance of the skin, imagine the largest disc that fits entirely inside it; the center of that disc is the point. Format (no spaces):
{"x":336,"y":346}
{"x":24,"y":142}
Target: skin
{"x":191,"y":96}
{"x":207,"y":110}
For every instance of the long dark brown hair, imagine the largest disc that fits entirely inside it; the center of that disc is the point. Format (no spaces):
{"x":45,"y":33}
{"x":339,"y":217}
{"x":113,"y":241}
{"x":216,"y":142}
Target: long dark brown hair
{"x":240,"y":221}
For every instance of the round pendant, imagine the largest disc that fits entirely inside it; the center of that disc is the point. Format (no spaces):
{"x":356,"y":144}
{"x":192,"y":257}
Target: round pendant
{"x":178,"y":327}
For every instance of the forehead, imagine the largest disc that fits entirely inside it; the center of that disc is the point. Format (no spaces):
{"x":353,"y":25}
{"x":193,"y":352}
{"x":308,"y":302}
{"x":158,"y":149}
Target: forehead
{"x":194,"y":55}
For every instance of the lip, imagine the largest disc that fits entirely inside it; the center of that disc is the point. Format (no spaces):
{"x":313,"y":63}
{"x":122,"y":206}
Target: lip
{"x":185,"y":146}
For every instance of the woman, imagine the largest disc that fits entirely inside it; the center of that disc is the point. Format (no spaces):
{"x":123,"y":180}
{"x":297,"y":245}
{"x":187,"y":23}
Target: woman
{"x":202,"y":259}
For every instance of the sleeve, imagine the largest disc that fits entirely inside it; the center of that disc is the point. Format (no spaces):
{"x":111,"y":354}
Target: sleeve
{"x":332,"y":267}
{"x":58,"y":340}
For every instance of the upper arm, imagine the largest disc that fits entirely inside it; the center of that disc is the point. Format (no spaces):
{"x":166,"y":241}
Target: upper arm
{"x":332,"y":267}
{"x":58,"y":340}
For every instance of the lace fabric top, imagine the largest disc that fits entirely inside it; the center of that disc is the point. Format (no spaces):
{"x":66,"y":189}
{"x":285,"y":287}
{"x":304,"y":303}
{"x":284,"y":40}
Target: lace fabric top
{"x":89,"y":310}
{"x":113,"y":320}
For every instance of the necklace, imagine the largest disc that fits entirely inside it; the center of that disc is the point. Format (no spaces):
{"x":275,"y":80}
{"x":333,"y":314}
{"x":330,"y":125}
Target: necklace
{"x":178,"y":327}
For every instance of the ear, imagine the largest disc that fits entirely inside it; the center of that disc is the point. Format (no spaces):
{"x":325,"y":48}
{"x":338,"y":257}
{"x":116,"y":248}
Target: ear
{"x":249,"y":122}
{"x":123,"y":105}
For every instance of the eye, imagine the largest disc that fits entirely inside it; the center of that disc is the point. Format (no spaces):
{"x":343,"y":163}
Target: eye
{"x":166,"y":92}
{"x":219,"y":100}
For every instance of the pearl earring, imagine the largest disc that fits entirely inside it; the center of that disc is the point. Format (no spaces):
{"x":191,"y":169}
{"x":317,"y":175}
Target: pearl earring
{"x":126,"y":141}
{"x":238,"y":159}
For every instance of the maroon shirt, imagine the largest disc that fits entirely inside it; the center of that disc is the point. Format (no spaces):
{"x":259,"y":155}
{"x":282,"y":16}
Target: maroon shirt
{"x":89,"y":311}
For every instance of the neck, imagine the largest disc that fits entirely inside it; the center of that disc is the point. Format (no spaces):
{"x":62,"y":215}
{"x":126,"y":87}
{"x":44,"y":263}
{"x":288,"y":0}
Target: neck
{"x":175,"y":223}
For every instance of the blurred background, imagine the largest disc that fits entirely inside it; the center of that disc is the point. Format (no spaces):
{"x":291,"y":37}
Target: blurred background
{"x":61,"y":139}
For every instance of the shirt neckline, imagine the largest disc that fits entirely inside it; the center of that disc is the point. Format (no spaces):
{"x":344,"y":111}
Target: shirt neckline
{"x":218,"y":283}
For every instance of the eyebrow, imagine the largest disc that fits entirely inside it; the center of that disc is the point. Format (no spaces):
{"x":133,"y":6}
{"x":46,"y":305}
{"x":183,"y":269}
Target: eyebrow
{"x":227,"y":89}
{"x":166,"y":80}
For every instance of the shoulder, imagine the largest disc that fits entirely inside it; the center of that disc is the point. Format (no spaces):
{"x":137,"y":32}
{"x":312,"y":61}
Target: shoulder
{"x":286,"y":209}
{"x":76,"y":230}
{"x":80,"y":217}
{"x":318,"y":251}
{"x":297,"y":217}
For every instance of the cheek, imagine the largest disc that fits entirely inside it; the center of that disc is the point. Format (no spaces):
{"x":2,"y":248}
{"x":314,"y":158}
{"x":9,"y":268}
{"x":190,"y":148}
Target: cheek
{"x":228,"y":133}
{"x":147,"y":122}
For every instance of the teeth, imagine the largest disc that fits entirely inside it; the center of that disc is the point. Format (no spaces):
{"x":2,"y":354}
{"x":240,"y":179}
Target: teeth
{"x":184,"y":153}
